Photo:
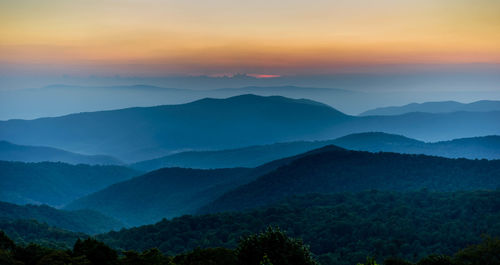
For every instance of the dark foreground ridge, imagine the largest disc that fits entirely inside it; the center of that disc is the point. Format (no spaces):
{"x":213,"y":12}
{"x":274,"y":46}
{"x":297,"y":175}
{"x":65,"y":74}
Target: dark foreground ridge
{"x":269,"y":247}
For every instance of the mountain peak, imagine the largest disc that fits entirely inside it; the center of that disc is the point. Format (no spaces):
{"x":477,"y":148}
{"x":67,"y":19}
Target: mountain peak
{"x":254,"y":97}
{"x":256,"y":100}
{"x":376,"y":137}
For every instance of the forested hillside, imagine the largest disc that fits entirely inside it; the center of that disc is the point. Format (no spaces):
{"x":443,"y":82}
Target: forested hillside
{"x":171,"y":192}
{"x":86,"y":221}
{"x":24,"y":232}
{"x":55,"y":184}
{"x":164,"y":193}
{"x":328,"y":170}
{"x":340,"y":228}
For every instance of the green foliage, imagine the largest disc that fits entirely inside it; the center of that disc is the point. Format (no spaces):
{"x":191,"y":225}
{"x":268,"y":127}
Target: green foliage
{"x":281,"y":248}
{"x":31,"y":231}
{"x":342,"y":229}
{"x":339,"y":228}
{"x":274,"y":245}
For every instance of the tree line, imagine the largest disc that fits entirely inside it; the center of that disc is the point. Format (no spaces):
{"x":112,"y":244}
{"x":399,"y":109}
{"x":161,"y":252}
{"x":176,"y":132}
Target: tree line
{"x":270,"y":247}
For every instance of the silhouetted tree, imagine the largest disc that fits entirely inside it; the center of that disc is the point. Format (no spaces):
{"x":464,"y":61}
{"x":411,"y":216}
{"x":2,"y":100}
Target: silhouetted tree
{"x":277,"y":246}
{"x":96,"y":252}
{"x":31,"y":254}
{"x":5,"y":242}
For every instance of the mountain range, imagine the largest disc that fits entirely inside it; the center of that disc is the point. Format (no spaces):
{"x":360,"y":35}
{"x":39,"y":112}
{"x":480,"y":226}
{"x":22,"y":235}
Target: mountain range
{"x":24,"y":153}
{"x":141,"y":133}
{"x":437,"y":107}
{"x":487,"y":147}
{"x":137,"y":134}
{"x":170,"y":192}
{"x":222,"y":165}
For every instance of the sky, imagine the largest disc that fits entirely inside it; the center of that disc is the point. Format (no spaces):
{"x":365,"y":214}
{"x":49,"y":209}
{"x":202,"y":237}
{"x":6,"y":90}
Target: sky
{"x":265,"y":38}
{"x":383,"y":52}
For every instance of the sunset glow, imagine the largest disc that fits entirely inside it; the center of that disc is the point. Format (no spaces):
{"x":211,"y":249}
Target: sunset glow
{"x":264,"y":75}
{"x":211,"y":37}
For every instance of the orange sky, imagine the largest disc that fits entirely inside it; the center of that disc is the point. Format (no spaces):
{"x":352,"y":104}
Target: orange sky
{"x":260,"y":36}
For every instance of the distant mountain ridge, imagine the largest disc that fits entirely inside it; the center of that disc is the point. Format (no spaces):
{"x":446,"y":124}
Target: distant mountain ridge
{"x":136,"y":134}
{"x":473,"y":148}
{"x":31,"y":103}
{"x":207,"y":123}
{"x":24,"y":153}
{"x":437,"y":107}
{"x":485,"y":147}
